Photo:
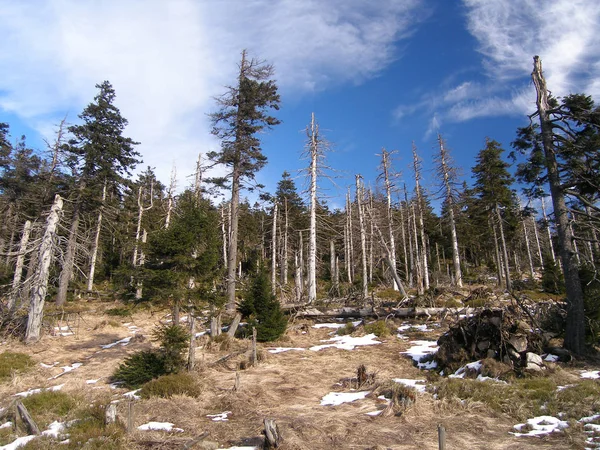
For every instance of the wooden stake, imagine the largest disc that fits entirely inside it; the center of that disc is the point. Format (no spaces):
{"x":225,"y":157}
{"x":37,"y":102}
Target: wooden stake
{"x":253,"y":357}
{"x":130,"y":414}
{"x":441,"y":437}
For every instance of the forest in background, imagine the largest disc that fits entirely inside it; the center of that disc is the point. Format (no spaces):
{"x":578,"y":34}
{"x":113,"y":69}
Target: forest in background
{"x":77,"y":223}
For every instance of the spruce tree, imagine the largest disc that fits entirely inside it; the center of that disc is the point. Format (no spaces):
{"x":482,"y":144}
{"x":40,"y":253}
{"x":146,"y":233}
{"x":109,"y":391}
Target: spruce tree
{"x":244,"y":113}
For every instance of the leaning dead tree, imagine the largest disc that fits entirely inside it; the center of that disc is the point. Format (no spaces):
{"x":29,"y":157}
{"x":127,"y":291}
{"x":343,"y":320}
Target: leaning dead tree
{"x":39,"y":287}
{"x":90,"y":283}
{"x":575,"y":326}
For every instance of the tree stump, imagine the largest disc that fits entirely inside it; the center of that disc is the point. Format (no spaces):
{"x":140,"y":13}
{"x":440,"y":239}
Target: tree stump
{"x":110,"y":415}
{"x":272,"y":436}
{"x":30,"y":424}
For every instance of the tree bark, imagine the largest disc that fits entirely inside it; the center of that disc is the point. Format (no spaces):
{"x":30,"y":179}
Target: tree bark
{"x":385,"y":162}
{"x":312,"y":243}
{"x":274,"y":252}
{"x":575,"y":326}
{"x":233,"y":237}
{"x":420,"y":207}
{"x":363,"y":235}
{"x":69,"y":261}
{"x":39,"y":288}
{"x":14,"y":294}
{"x":504,"y":249}
{"x":90,"y":283}
{"x":550,"y":244}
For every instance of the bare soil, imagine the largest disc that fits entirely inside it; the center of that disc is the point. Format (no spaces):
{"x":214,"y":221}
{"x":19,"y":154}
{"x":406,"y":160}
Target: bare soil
{"x":287,"y":387}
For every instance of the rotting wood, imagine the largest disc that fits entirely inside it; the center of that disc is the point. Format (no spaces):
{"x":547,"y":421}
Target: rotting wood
{"x":272,"y":435}
{"x":30,"y":424}
{"x":110,"y":415}
{"x":234,"y":325}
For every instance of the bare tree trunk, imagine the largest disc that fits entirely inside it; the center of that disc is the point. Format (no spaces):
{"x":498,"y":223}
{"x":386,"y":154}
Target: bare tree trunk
{"x":496,"y":250}
{"x":233,"y":238}
{"x":297,"y":278}
{"x":139,"y":288}
{"x":551,"y":245}
{"x":420,"y":207}
{"x":371,"y":240}
{"x":418,"y":266}
{"x":363,"y":236}
{"x":537,"y":242}
{"x":67,"y":269}
{"x":411,"y":267}
{"x":504,"y":249}
{"x":351,"y":235}
{"x":313,"y":134}
{"x":274,"y":252}
{"x":12,"y":299}
{"x":285,"y":256}
{"x":450,"y":200}
{"x":575,"y":326}
{"x":198,"y":178}
{"x":224,"y":235}
{"x":528,"y":247}
{"x":403,"y":234}
{"x":90,"y":283}
{"x":301,"y":262}
{"x":385,"y":162}
{"x":40,"y":286}
{"x":172,"y":186}
{"x":575,"y":247}
{"x":348,"y":238}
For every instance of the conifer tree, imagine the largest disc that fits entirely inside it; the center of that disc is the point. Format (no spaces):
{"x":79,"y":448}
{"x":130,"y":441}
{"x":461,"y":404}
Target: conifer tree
{"x":244,"y":112}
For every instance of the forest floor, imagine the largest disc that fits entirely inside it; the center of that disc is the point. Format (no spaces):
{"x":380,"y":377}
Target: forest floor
{"x":288,"y":386}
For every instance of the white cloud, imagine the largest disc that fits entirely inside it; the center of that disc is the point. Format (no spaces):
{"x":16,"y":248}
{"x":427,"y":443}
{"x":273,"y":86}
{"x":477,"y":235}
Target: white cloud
{"x":564,"y":33}
{"x":167,"y":60}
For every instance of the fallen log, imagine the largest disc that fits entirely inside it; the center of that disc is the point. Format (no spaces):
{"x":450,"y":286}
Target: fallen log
{"x":347,"y":312}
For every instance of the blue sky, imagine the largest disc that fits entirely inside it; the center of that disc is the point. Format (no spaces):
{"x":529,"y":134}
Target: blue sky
{"x":376,"y":74}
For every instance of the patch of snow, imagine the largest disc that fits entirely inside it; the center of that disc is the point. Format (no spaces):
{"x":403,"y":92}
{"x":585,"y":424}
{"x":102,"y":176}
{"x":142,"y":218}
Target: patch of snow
{"x":409,"y":327}
{"x":49,"y":366}
{"x":589,"y":418}
{"x":38,"y":390}
{"x":123,"y":342}
{"x":6,"y":425}
{"x":592,"y":427}
{"x":159,"y":426}
{"x":67,"y":369}
{"x":19,"y":442}
{"x":201,"y":333}
{"x":283,"y":349}
{"x":374,"y":413}
{"x":335,"y":325}
{"x":116,"y":385}
{"x":92,"y":381}
{"x":347,"y":342}
{"x":592,"y":375}
{"x":541,"y":425}
{"x":337,"y":398}
{"x":415,"y":384}
{"x":461,"y":372}
{"x":551,"y":358}
{"x":421,"y":349}
{"x":132,"y":394}
{"x":562,"y":388}
{"x":54,"y":429}
{"x":222,"y":417}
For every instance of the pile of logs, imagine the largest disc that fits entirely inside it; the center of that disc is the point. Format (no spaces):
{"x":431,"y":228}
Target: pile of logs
{"x":504,"y":334}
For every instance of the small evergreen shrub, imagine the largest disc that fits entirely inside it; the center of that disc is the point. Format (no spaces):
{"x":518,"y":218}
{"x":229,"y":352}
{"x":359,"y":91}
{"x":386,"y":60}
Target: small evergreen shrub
{"x":169,"y":385}
{"x":14,"y":362}
{"x":263,"y":310}
{"x":552,"y":279}
{"x":349,"y":328}
{"x":118,"y":312}
{"x":378,"y":328}
{"x":146,"y":365}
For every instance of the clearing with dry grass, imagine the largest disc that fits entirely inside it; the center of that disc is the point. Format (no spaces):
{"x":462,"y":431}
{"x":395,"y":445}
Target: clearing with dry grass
{"x":287,"y":386}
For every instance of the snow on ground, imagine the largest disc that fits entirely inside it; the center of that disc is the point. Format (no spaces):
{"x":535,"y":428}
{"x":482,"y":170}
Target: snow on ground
{"x":63,"y":331}
{"x":540,"y":425}
{"x":92,"y":381}
{"x":6,"y":425}
{"x":222,"y":417}
{"x":49,"y":366}
{"x":592,"y":375}
{"x":592,"y":430}
{"x":132,"y":394}
{"x":347,"y":342}
{"x":551,"y":358}
{"x":284,"y":349}
{"x":337,"y":398}
{"x":159,"y":426}
{"x":123,"y":342}
{"x":460,"y":373}
{"x":419,"y":385}
{"x":421,"y":349}
{"x":38,"y":390}
{"x":335,"y":325}
{"x":67,"y":369}
{"x":54,"y":429}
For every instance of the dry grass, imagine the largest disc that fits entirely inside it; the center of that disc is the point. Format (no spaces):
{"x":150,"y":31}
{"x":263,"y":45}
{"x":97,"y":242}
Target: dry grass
{"x":286,"y":386}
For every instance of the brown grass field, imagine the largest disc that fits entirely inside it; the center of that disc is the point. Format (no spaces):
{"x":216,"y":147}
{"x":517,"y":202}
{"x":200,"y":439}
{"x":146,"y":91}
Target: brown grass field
{"x":287,"y":387}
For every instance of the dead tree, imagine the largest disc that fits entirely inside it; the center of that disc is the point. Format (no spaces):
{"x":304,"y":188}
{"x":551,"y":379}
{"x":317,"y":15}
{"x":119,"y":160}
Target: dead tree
{"x":39,"y":288}
{"x":363,"y":234}
{"x":274,"y":251}
{"x":12,"y":299}
{"x":90,"y":283}
{"x":446,"y":174}
{"x":386,"y":167}
{"x":420,"y":207}
{"x":575,"y":326}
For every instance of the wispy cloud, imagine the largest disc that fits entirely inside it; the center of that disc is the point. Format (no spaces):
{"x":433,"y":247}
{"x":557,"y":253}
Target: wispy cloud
{"x":167,"y":60}
{"x":509,"y":33}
